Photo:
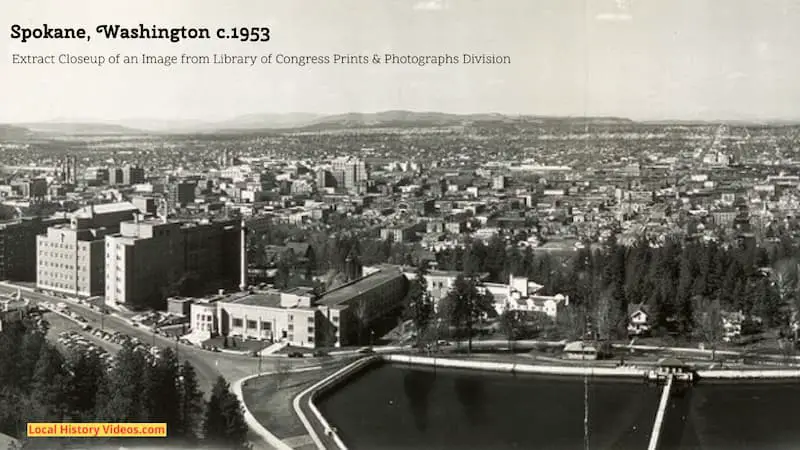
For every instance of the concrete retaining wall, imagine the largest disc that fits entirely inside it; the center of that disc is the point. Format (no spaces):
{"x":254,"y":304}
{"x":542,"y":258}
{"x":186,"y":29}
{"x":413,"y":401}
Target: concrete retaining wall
{"x":749,"y":374}
{"x":252,"y":422}
{"x":321,"y":387}
{"x":517,"y":368}
{"x":612,"y":372}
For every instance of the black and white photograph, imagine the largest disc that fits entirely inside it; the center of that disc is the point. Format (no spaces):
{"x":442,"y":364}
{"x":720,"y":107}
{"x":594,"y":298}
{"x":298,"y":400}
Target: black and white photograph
{"x":400,"y":224}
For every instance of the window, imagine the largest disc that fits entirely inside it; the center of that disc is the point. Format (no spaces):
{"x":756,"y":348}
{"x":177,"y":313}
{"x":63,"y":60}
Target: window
{"x":310,"y":320}
{"x":236,"y":322}
{"x":291,"y":327}
{"x":335,"y":319}
{"x":311,"y":339}
{"x":266,"y":326}
{"x":251,"y":324}
{"x":311,"y":330}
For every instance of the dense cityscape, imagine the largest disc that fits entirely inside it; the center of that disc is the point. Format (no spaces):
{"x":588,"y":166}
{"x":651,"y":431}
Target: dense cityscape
{"x":136,"y":260}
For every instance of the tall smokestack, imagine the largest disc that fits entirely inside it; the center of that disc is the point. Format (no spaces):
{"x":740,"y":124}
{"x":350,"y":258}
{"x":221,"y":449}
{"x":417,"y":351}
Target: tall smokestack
{"x":243,"y":258}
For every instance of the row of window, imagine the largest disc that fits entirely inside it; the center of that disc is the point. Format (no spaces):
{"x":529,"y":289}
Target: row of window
{"x":251,"y":324}
{"x":291,"y":318}
{"x":57,"y":285}
{"x":56,"y":245}
{"x":65,"y":276}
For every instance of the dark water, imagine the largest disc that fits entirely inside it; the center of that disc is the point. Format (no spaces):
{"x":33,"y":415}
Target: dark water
{"x":742,"y":416}
{"x":396,"y":407}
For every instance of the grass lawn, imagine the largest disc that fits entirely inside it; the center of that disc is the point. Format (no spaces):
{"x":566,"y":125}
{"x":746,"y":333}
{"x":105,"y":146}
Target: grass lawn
{"x":235,"y":343}
{"x":271,"y":402}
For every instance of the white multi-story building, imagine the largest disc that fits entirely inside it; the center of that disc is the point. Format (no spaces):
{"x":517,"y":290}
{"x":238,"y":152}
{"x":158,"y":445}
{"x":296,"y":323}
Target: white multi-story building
{"x":70,"y":257}
{"x":349,"y":172}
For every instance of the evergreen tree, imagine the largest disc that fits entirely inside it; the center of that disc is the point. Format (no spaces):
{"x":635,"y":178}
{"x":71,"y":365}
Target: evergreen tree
{"x":161,"y":396}
{"x":191,"y":402}
{"x":48,"y":386}
{"x":418,"y":304}
{"x":466,"y":304}
{"x":121,"y":397}
{"x":88,"y":374}
{"x":224,"y":423}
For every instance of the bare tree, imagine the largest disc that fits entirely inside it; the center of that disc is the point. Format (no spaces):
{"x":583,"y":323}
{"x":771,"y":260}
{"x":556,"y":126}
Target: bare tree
{"x":282,"y":373}
{"x":708,"y":322}
{"x":361,"y":311}
{"x":510,"y":323}
{"x":603,"y":323}
{"x":785,"y":277}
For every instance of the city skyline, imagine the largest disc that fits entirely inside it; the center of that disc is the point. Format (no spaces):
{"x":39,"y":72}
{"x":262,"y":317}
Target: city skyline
{"x":676,"y":60}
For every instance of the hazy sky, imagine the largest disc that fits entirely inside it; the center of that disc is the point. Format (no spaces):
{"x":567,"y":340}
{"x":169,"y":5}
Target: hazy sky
{"x":644,"y":59}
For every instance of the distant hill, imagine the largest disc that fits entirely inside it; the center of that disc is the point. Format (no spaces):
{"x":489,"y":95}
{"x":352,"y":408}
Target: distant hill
{"x":254,"y":123}
{"x":246,"y":122}
{"x":394,"y":119}
{"x":271,"y":122}
{"x":79,"y":128}
{"x":13,"y":132}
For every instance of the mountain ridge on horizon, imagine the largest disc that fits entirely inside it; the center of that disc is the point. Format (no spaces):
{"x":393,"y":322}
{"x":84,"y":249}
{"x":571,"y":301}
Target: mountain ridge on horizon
{"x":251,"y":123}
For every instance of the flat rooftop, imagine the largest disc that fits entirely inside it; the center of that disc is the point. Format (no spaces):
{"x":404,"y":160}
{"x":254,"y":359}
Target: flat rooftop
{"x":271,"y":300}
{"x":106,"y":208}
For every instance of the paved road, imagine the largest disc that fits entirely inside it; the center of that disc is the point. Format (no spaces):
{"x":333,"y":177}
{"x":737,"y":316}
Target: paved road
{"x":208,"y":364}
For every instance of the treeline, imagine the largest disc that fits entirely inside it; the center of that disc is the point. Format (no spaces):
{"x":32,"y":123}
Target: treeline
{"x":41,"y":384}
{"x":329,"y":252}
{"x":669,"y":279}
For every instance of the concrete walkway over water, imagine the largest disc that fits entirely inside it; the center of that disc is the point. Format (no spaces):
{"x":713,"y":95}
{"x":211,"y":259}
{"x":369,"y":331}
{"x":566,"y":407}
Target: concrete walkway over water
{"x":655,"y":435}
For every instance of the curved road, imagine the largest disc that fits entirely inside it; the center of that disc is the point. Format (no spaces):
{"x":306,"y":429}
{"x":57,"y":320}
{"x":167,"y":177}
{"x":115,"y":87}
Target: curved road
{"x":207,"y":364}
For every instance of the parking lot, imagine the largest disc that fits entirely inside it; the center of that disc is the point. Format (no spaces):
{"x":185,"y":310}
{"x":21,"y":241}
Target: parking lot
{"x":74,"y":337}
{"x":59,"y":325}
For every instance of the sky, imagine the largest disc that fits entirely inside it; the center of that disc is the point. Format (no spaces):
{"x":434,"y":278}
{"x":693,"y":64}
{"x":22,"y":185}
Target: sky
{"x":641,"y":59}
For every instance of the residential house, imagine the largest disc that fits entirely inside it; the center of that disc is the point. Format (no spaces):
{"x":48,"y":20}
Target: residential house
{"x":639,"y":320}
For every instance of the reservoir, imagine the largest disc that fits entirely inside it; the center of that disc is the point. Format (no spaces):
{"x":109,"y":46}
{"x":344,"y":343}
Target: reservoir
{"x":390,"y":406}
{"x":733,"y":416}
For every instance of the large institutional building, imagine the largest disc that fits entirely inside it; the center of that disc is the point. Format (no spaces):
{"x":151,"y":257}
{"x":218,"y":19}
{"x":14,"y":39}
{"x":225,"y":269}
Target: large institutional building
{"x":111,"y":250}
{"x":349,"y":172}
{"x":71,"y":257}
{"x":146,"y":259}
{"x":347,"y":315}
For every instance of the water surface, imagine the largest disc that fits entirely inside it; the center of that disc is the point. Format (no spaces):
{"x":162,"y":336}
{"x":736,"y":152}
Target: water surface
{"x":400,"y":407}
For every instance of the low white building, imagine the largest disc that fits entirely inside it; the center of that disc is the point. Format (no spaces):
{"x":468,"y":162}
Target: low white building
{"x":521,"y":295}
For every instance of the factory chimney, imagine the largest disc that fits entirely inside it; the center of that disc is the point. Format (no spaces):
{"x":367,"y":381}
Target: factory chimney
{"x":243,"y":258}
